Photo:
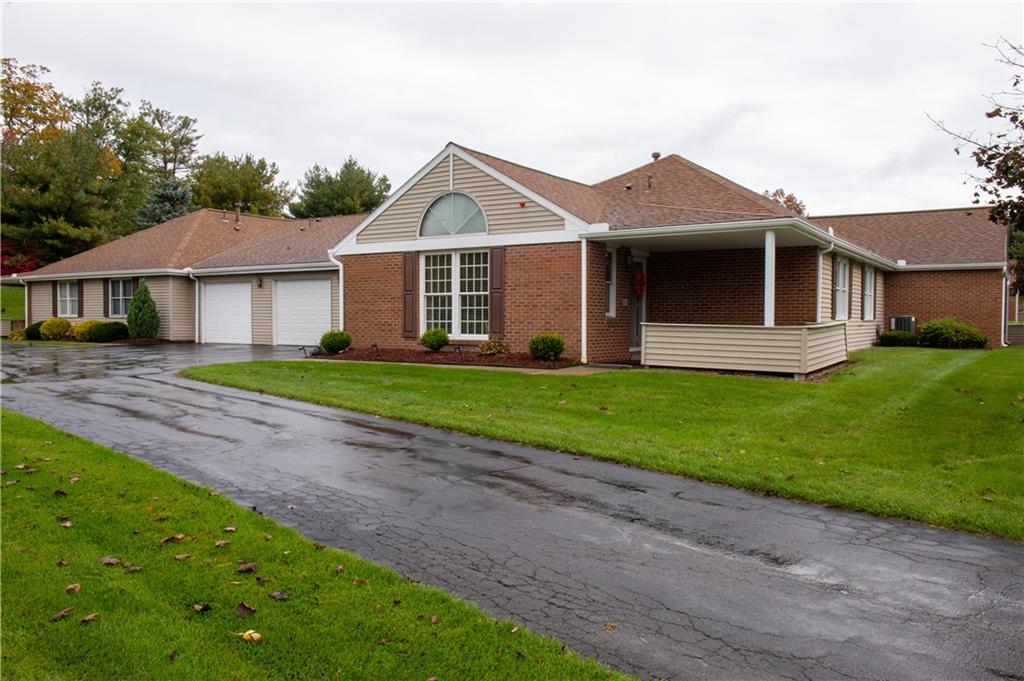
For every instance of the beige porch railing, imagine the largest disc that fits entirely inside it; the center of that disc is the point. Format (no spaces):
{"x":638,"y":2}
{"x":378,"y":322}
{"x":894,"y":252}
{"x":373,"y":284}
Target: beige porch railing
{"x":774,"y":349}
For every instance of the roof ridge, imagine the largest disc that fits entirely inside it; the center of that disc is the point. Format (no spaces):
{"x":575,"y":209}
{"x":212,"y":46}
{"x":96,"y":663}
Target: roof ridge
{"x":229,"y":211}
{"x":900,"y":212}
{"x":525,"y":167}
{"x":702,"y":210}
{"x":189,"y":233}
{"x":726,"y":182}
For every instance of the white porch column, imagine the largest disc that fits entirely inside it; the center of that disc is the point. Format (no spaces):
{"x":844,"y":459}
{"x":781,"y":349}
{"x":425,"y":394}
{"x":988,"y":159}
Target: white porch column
{"x":769,"y":278}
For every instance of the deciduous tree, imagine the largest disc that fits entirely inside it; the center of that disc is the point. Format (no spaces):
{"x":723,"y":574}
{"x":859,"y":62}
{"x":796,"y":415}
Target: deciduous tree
{"x":219,"y":181}
{"x":788,"y":200}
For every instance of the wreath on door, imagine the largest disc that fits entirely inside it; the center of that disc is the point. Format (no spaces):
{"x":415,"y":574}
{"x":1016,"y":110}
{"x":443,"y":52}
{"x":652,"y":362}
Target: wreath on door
{"x":639,"y":283}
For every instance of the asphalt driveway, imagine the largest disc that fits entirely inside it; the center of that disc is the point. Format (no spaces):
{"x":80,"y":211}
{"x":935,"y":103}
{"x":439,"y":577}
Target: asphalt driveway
{"x":653,"y":574}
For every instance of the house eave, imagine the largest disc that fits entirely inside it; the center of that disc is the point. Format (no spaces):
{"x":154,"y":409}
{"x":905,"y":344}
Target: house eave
{"x":105,"y":274}
{"x":264,"y":269}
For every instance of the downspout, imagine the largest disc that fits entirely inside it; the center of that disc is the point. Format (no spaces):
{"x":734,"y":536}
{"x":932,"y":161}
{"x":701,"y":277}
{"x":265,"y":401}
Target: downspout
{"x":1004,"y":316}
{"x":341,"y":289}
{"x":583,"y":301}
{"x":24,"y":295}
{"x":195,"y":306}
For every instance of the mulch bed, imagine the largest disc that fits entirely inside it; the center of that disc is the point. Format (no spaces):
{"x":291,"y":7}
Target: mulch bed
{"x":467,"y":357}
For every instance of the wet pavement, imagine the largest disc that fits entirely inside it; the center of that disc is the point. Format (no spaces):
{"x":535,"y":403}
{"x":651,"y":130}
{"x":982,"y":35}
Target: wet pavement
{"x":701,"y":581}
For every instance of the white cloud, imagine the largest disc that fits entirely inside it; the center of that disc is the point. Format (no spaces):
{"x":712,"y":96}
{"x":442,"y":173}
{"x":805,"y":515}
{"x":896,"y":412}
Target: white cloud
{"x":825,"y":100}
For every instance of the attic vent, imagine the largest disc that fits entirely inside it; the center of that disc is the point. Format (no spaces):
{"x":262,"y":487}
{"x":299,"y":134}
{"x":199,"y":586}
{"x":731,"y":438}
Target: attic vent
{"x":656,"y":155}
{"x":903,"y":323}
{"x":628,"y":187}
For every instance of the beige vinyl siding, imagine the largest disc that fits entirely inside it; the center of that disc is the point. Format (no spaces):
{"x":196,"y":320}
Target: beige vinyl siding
{"x":856,"y":289}
{"x":500,"y":203}
{"x":780,"y":349}
{"x":93,"y":304}
{"x":183,"y":306}
{"x":160,"y":290}
{"x":41,"y":305}
{"x":880,"y":301}
{"x":826,"y":287}
{"x":861,"y":334}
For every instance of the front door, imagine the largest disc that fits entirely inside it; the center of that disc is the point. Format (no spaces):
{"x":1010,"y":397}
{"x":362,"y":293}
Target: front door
{"x":637,"y":301}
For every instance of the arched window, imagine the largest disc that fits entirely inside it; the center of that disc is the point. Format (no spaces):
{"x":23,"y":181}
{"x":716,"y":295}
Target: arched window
{"x":453,"y":213}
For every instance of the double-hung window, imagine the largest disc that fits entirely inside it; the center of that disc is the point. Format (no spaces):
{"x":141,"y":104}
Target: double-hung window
{"x":121,"y":292}
{"x":456,"y":293}
{"x":609,"y":281}
{"x":869,"y":293}
{"x":841,"y":288}
{"x":67,"y":298}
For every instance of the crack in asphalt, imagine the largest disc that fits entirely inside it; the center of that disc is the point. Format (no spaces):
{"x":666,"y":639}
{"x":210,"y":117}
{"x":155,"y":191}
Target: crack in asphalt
{"x":702,"y":581}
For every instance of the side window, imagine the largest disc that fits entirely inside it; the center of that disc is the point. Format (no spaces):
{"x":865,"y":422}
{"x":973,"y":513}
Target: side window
{"x":609,"y":282}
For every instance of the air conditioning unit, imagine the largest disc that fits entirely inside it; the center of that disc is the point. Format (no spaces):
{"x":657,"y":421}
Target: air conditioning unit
{"x":904,"y":322}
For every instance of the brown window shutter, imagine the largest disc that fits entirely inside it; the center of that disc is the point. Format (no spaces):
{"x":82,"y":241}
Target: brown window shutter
{"x":833,"y":315}
{"x":106,"y":298}
{"x":849,"y":292}
{"x":409,"y":294}
{"x":497,"y":293}
{"x":81,"y":297}
{"x":135,"y":285}
{"x":54,"y":299}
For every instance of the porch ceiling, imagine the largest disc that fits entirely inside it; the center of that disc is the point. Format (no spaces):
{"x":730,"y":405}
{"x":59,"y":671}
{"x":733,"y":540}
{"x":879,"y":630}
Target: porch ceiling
{"x":706,"y":241}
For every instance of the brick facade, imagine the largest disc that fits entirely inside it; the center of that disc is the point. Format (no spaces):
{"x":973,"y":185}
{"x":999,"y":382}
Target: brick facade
{"x":727,"y":286}
{"x":607,"y":337}
{"x":973,"y":296}
{"x":373,"y":300}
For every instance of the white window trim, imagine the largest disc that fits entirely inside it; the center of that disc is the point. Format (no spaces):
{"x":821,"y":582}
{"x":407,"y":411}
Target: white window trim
{"x":841,"y":288}
{"x":868,"y":293}
{"x":455,"y":294}
{"x":72,"y":287}
{"x":110,"y":297}
{"x":611,"y":287}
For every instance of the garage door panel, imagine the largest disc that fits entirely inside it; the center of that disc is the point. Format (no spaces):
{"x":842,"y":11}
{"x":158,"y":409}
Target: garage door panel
{"x":302,"y":311}
{"x":228,"y":312}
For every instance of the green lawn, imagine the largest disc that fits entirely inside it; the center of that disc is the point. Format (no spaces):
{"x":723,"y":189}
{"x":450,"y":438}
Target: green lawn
{"x":12,"y":302}
{"x":932,"y":435}
{"x":364,"y":622}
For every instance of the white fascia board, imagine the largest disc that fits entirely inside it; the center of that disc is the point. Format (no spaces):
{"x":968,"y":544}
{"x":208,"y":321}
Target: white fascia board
{"x":103,"y":275}
{"x":265,"y":269}
{"x":460,"y":242}
{"x":952,"y":266}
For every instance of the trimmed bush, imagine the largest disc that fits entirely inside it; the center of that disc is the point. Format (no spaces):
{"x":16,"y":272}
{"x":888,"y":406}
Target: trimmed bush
{"x":83,"y":329}
{"x":32,"y":331}
{"x":335,"y":341}
{"x":898,"y":339}
{"x":108,"y":331}
{"x":55,"y":328}
{"x":16,"y":335}
{"x":434,"y":339}
{"x":494,"y":346}
{"x":947,"y":332}
{"x":549,"y":346}
{"x":143,"y":320}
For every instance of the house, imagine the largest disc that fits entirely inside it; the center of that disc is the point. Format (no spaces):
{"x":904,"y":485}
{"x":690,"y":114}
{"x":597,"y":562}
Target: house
{"x":668,"y":264}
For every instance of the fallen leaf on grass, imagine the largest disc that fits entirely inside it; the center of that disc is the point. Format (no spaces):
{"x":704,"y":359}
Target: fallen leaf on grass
{"x":248,"y":567}
{"x":173,"y":655}
{"x":243,"y":609}
{"x":201,"y":607}
{"x":131,"y":568}
{"x":249,"y":635}
{"x":220,"y":543}
{"x":359,"y":582}
{"x":319,"y":547}
{"x":60,"y":615}
{"x":230,"y":528}
{"x":214,"y":493}
{"x":514,"y":629}
{"x":66,"y":523}
{"x":434,"y":619}
{"x":183,"y":556}
{"x":278,"y":595}
{"x":72,"y":588}
{"x":175,"y":538}
{"x":340,"y":569}
{"x":268,"y":537}
{"x":63,"y":562}
{"x":59,"y":493}
{"x":91,"y":617}
{"x":110,"y":560}
{"x":11,"y":482}
{"x":73,"y":479}
{"x":20,"y":466}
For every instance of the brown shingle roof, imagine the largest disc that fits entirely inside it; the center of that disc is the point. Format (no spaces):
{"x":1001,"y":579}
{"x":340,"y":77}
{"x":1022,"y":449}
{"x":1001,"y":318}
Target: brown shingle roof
{"x":924,"y":237}
{"x":174,"y":244}
{"x":296,"y":241}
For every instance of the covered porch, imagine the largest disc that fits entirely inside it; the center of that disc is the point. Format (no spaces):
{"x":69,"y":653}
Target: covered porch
{"x":753,"y":296}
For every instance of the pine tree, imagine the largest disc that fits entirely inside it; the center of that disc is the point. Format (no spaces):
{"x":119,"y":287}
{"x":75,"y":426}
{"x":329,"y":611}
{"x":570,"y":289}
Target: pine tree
{"x":169,"y":198}
{"x":143,"y":320}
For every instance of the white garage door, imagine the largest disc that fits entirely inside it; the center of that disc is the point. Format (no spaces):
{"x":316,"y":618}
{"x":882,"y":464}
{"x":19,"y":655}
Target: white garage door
{"x":228,"y":313}
{"x":302,"y":310}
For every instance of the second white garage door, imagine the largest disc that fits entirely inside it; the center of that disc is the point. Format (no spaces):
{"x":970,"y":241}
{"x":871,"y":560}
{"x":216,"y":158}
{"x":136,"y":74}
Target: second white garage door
{"x":227,"y":313}
{"x":302,"y":310}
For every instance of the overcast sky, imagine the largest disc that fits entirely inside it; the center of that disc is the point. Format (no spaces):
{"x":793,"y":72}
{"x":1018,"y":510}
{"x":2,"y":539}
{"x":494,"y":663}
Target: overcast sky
{"x":826,"y":100}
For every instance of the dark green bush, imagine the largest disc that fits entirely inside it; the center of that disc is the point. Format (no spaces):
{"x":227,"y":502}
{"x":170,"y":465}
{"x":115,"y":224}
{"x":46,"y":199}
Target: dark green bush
{"x":143,"y":320}
{"x":108,"y":331}
{"x":898,"y":338}
{"x":947,"y":332}
{"x":549,"y":346}
{"x":494,"y":346}
{"x":335,"y":341}
{"x":434,"y":339}
{"x":32,"y":331}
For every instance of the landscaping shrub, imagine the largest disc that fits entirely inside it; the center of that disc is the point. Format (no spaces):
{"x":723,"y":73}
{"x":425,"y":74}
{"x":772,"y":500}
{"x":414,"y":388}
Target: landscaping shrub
{"x":55,"y":328}
{"x":947,"y":332}
{"x":32,"y":331}
{"x":16,"y":335}
{"x":143,"y":320}
{"x":83,"y":329}
{"x":335,"y":341}
{"x":108,"y":331}
{"x":549,"y":346}
{"x":494,"y":346}
{"x":434,"y":339}
{"x":898,"y":339}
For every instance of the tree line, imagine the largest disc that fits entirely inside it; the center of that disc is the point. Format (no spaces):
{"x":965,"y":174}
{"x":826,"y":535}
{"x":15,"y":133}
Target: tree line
{"x":78,"y":172}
